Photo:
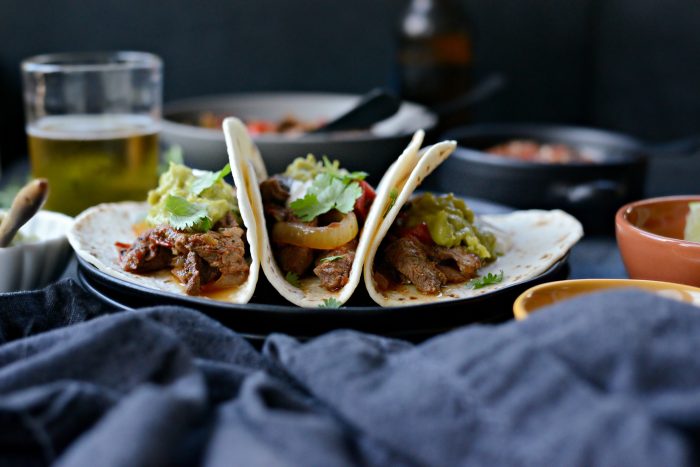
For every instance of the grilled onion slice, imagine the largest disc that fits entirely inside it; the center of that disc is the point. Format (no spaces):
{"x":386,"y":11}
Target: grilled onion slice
{"x":326,"y":237}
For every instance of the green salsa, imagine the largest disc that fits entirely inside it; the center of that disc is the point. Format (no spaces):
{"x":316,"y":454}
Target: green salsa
{"x":451,"y":223}
{"x":218,"y":199}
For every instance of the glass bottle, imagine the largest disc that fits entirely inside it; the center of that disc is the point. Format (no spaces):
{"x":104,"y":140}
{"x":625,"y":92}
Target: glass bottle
{"x":434,"y":52}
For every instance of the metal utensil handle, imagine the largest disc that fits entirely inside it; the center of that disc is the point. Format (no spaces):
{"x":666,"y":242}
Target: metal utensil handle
{"x":684,"y":147}
{"x":375,"y":106}
{"x":582,"y":193}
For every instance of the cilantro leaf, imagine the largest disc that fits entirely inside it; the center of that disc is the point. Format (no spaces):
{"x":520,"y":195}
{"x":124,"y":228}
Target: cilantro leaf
{"x":293,"y":279}
{"x":488,"y":279}
{"x":330,"y":259}
{"x":346,"y":201}
{"x":393,"y":194}
{"x":327,"y":189}
{"x":354,"y":176}
{"x":330,"y":303}
{"x":185,"y":215}
{"x":208,"y":179}
{"x":326,"y":192}
{"x":307,"y":208}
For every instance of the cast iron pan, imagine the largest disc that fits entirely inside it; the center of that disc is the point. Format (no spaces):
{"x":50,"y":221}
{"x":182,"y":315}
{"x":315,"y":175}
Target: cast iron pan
{"x":592,"y":192}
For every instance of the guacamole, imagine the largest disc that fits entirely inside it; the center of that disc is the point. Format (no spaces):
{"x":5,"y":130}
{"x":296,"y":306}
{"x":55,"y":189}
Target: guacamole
{"x":200,"y":188}
{"x":306,"y":168}
{"x":692,"y":223}
{"x":451,"y":223}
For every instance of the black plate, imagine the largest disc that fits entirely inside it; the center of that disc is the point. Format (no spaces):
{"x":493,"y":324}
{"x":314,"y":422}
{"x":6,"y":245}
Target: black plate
{"x":269,"y":312}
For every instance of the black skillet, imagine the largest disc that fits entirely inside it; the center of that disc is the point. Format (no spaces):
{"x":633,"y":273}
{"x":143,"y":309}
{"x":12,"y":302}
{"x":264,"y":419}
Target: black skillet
{"x":590,"y":191}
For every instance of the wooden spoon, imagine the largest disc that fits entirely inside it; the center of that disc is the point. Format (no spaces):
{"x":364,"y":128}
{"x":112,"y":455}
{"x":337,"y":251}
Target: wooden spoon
{"x":26,"y":203}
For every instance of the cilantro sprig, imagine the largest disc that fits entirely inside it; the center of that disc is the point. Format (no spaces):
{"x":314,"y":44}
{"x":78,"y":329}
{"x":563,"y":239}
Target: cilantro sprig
{"x":208,"y":179}
{"x":333,"y":188}
{"x":488,"y":279}
{"x":330,"y":303}
{"x":185,"y":215}
{"x":293,"y":279}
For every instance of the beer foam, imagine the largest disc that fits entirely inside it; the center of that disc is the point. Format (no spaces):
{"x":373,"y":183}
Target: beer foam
{"x":92,"y":127}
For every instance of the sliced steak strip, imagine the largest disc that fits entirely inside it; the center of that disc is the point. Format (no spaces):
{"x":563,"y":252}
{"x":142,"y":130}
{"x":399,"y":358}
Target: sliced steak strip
{"x":452,"y":275}
{"x":335,"y":274}
{"x":192,"y":271}
{"x":467,"y":263}
{"x":223,"y":249}
{"x":274,"y":190}
{"x":146,"y":254}
{"x":410,"y":257}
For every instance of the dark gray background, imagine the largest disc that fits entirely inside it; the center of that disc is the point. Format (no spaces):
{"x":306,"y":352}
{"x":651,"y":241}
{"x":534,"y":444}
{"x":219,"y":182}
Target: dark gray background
{"x":631,"y":65}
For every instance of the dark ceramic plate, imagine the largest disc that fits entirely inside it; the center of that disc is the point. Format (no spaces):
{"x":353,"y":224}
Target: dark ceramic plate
{"x":268,"y":312}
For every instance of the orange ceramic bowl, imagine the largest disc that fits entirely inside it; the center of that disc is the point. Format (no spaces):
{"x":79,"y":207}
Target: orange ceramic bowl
{"x":650,"y":238}
{"x":546,"y":294}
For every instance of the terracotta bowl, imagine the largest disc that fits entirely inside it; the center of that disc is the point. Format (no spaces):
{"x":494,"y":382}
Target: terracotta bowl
{"x":650,"y":238}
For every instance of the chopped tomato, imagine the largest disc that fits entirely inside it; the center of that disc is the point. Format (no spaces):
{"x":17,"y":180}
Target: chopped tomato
{"x":364,"y":202}
{"x":256,"y":127}
{"x":420,"y":231}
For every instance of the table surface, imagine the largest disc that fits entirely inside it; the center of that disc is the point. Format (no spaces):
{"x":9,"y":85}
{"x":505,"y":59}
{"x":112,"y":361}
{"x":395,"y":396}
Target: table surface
{"x":597,"y":257}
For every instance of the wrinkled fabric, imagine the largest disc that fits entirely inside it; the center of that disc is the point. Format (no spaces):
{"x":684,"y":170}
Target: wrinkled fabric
{"x":609,"y":379}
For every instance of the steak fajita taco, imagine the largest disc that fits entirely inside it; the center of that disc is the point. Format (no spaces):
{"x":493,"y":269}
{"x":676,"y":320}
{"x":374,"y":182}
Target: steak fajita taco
{"x":193,"y":236}
{"x":432,"y":247}
{"x":316,"y":219}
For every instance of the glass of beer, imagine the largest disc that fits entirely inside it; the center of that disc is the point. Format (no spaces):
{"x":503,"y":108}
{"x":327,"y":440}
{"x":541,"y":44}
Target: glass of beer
{"x":92,"y":123}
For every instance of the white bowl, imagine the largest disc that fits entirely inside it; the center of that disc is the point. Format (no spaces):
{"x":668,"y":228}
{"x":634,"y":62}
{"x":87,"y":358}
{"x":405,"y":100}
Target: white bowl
{"x":372,"y":150}
{"x":40,"y":260}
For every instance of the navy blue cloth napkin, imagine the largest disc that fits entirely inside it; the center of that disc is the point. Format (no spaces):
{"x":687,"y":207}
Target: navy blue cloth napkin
{"x":611,"y":379}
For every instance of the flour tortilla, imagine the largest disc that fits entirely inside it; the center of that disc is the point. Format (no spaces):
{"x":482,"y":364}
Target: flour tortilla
{"x":97,"y":229}
{"x":310,"y":293}
{"x":531,"y":241}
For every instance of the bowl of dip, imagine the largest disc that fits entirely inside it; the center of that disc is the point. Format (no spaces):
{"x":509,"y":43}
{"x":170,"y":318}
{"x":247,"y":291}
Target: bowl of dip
{"x":37,"y":255}
{"x":651,"y":237}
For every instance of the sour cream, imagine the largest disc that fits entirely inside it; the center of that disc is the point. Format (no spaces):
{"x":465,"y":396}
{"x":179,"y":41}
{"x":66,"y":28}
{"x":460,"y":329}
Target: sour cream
{"x":298,"y":190}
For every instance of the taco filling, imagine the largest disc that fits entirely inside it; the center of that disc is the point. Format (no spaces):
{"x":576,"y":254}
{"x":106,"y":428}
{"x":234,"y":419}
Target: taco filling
{"x":314,"y":212}
{"x":194,"y":230}
{"x":433,"y":242}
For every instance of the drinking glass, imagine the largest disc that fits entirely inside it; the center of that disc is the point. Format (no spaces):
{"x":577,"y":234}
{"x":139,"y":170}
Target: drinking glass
{"x":92,"y":121}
